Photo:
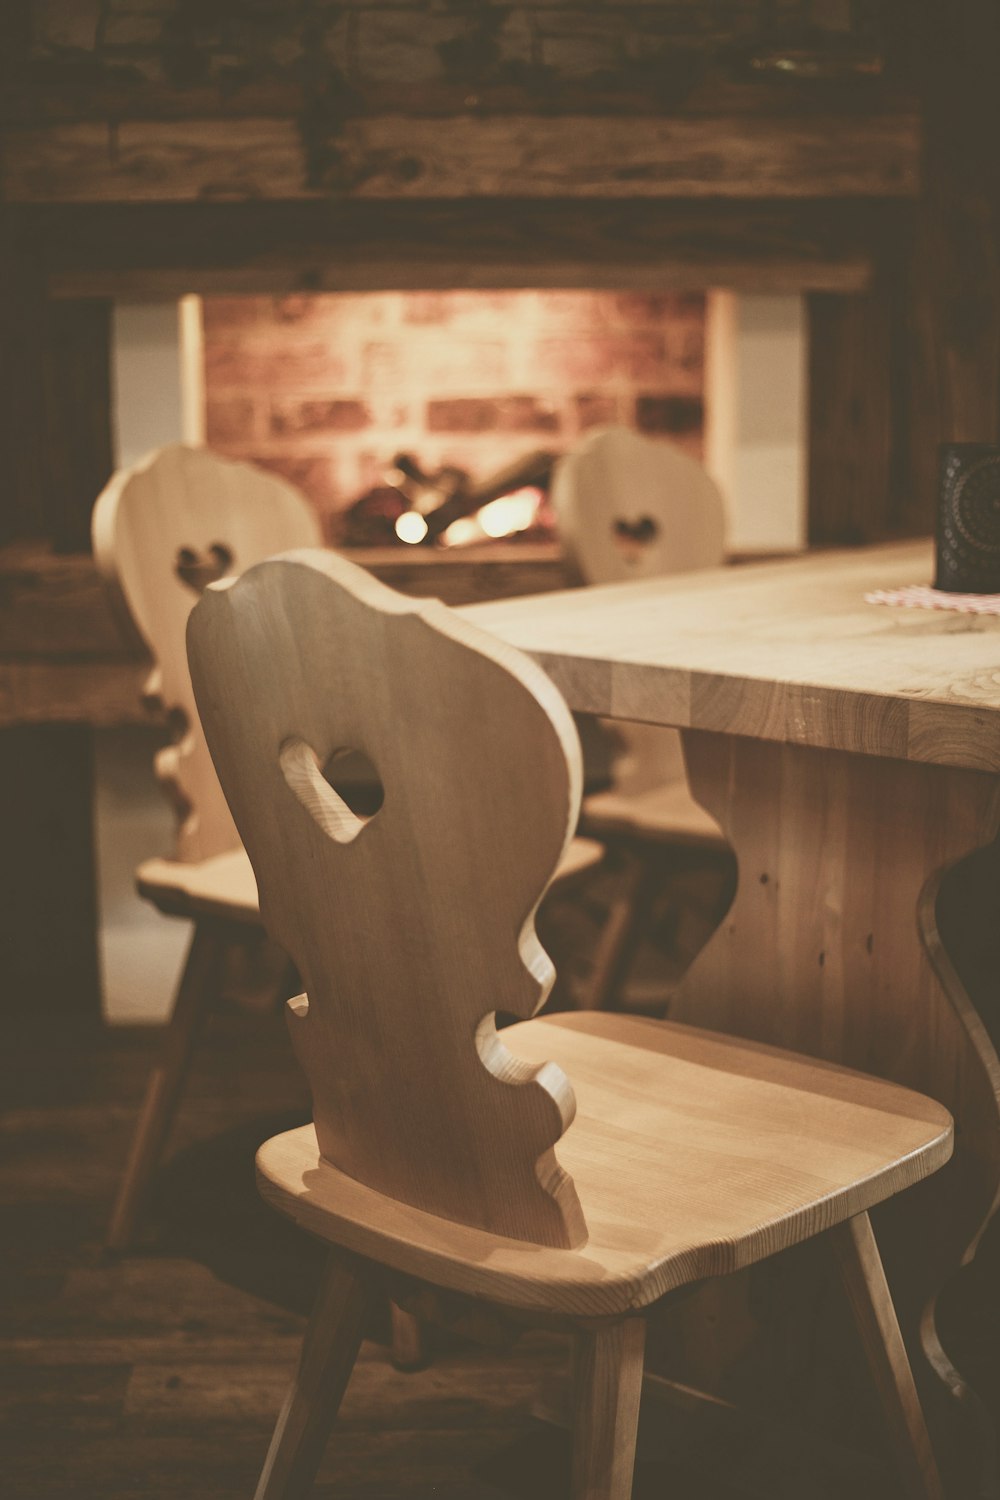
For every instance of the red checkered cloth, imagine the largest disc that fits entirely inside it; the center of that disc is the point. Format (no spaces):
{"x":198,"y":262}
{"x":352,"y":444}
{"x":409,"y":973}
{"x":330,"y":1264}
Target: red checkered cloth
{"x":922,"y":596}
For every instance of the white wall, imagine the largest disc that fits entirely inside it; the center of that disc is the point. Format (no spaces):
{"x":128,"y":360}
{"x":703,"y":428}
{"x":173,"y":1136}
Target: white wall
{"x":156,"y":352}
{"x":141,"y":951}
{"x":756,"y":417}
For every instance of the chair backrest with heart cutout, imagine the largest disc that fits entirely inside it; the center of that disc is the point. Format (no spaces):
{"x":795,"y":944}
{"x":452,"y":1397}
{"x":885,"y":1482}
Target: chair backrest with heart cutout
{"x":411,"y":928}
{"x":630,"y":506}
{"x":163,"y":530}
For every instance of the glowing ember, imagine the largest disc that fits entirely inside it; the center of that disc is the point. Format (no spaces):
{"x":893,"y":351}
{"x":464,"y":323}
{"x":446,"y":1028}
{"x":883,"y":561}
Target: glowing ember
{"x":411,"y":527}
{"x":510,"y":513}
{"x":463,"y":531}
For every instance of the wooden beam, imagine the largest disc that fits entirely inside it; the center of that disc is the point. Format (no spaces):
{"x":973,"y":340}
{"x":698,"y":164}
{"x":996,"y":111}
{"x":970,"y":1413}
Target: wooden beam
{"x":100,"y":694}
{"x":167,"y":250}
{"x":401,"y":157}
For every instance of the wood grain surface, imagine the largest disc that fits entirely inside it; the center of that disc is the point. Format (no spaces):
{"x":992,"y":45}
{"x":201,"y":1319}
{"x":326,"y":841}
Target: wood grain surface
{"x":172,"y":1365}
{"x":785,"y":651}
{"x":833,"y":942}
{"x":658,"y":245}
{"x":693,"y":1154}
{"x":183,"y":504}
{"x":832,"y":946}
{"x":411,"y":928}
{"x":515,"y":156}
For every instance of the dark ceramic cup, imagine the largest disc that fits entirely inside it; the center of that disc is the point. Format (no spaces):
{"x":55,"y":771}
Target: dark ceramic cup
{"x":968,"y":519}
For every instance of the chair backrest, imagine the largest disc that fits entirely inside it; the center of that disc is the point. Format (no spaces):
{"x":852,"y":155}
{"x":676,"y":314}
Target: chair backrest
{"x":628,"y":507}
{"x":414,"y":927}
{"x":163,"y":530}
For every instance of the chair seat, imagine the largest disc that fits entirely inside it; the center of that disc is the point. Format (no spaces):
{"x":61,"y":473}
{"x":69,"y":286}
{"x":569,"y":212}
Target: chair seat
{"x":666,"y":812}
{"x":226,"y":887}
{"x":581,"y":855}
{"x":693,"y":1154}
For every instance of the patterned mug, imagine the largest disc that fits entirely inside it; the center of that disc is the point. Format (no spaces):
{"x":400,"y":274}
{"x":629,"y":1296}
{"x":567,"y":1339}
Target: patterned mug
{"x":968,"y":520}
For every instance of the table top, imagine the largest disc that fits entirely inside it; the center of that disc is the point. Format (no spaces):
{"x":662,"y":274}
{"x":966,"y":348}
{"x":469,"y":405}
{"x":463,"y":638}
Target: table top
{"x":785,"y":651}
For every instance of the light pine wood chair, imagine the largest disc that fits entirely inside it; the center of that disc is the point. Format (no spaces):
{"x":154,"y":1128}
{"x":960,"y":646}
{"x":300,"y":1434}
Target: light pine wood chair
{"x":632,"y":507}
{"x":573,"y":1169}
{"x":162,"y":531}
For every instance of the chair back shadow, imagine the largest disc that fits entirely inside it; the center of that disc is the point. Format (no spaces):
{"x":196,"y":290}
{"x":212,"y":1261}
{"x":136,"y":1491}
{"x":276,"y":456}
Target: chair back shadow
{"x":413,"y":927}
{"x":162,"y":530}
{"x":631,"y":507}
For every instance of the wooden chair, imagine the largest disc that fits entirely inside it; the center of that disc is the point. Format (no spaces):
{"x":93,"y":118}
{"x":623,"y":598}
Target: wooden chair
{"x":162,"y":531}
{"x":433,"y":1157}
{"x":633,"y":507}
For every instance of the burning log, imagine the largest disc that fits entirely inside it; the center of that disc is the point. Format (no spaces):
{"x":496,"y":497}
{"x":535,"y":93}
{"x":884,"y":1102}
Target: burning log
{"x":418,"y":507}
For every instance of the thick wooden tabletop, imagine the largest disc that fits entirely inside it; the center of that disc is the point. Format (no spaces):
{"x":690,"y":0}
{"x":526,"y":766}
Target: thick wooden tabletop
{"x":785,"y":651}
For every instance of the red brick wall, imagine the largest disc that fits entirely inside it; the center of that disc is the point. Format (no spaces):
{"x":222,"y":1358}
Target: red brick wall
{"x":325,"y":389}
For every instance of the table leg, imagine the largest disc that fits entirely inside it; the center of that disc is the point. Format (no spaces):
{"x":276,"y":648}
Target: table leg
{"x":835,"y":946}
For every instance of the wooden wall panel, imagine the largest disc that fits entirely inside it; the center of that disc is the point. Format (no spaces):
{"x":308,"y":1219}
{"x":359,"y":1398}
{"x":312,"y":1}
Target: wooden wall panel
{"x":948,"y":313}
{"x":22,"y":383}
{"x":850,"y":425}
{"x":48,"y":897}
{"x":78,"y":405}
{"x":55,"y":417}
{"x":916,"y":362}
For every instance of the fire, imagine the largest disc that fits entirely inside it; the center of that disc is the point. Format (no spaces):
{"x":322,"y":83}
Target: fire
{"x":411,"y":527}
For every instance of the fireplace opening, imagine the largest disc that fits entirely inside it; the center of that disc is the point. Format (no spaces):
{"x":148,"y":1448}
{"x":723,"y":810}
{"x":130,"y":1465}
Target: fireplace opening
{"x":425,"y":424}
{"x":435,"y":418}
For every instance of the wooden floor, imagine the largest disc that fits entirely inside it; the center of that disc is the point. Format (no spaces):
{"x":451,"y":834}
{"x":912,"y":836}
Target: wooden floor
{"x":160,"y":1375}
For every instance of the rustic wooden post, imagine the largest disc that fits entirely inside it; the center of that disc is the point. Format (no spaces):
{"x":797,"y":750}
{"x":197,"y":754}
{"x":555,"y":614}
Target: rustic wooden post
{"x":55,"y":429}
{"x":850,"y":417}
{"x":916,"y":362}
{"x":949,"y":331}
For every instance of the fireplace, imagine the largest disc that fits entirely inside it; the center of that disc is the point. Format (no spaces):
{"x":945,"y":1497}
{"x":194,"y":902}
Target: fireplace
{"x":330,"y":389}
{"x":826,"y":164}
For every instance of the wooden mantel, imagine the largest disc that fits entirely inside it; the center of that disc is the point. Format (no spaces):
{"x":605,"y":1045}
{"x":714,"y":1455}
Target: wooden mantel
{"x":509,"y":156}
{"x":421,"y":147}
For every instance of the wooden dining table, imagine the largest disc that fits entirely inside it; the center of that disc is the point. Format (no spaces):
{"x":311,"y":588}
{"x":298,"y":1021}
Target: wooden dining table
{"x":850,"y":752}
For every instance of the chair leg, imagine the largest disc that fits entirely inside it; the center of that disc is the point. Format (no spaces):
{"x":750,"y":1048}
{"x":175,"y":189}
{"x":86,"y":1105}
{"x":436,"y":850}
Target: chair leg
{"x":408,"y":1344}
{"x":617,"y":945}
{"x":199,"y":986}
{"x":607,"y":1386}
{"x":861,"y":1272}
{"x":329,"y":1351}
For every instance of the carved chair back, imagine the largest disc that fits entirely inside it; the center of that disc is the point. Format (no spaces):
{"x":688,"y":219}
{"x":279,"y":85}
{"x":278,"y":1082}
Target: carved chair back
{"x":162,"y":531}
{"x":414,"y":927}
{"x":630,"y":506}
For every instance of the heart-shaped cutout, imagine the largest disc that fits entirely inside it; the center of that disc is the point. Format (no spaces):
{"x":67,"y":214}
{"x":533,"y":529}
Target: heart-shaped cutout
{"x":636,"y":533}
{"x":343,"y":796}
{"x":198,"y":569}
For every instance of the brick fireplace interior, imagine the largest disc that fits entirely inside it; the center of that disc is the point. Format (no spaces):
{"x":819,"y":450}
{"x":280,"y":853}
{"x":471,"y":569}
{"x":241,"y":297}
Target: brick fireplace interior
{"x":326,"y":389}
